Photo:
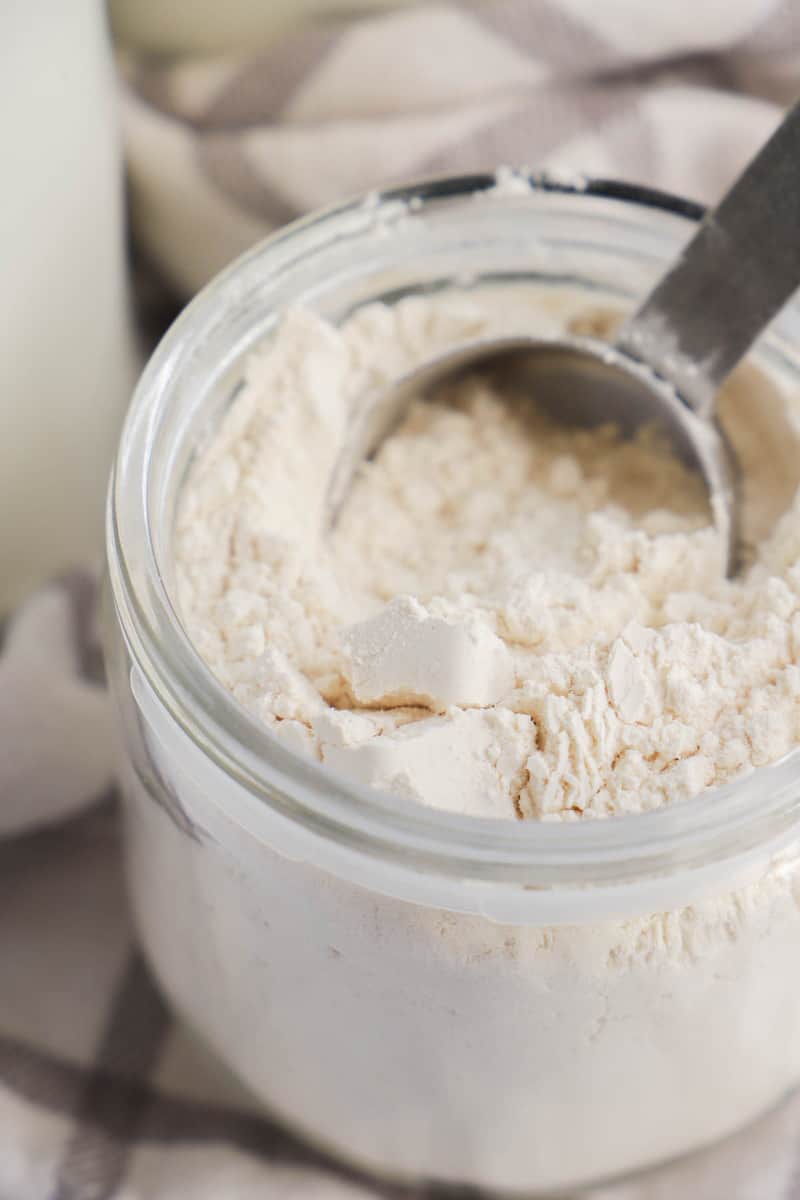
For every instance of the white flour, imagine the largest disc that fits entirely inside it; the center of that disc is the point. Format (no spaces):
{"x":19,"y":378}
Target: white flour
{"x":509,"y":618}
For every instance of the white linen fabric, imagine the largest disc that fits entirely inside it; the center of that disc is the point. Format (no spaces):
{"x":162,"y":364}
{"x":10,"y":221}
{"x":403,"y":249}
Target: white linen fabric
{"x":222,"y":150}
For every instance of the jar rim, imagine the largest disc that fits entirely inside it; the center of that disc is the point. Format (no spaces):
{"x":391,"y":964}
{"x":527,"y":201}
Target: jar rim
{"x":718,"y":831}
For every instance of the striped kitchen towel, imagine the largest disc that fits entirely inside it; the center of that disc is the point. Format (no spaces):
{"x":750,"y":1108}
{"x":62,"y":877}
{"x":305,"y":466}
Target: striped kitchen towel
{"x":223,"y":149}
{"x":103,"y":1094}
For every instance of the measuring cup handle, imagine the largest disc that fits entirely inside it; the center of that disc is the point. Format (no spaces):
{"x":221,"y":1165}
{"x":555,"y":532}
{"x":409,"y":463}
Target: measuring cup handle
{"x":736,"y":273}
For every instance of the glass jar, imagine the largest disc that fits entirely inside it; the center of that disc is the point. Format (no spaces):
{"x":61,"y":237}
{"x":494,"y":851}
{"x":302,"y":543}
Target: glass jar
{"x":520,"y":1006}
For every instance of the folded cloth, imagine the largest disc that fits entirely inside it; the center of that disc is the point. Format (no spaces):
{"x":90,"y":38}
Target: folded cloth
{"x":102,"y":1092}
{"x":223,"y":149}
{"x":56,"y":731}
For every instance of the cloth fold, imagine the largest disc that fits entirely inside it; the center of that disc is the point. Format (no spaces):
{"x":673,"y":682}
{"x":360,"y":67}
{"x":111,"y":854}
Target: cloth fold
{"x":102,"y":1092}
{"x":223,"y":149}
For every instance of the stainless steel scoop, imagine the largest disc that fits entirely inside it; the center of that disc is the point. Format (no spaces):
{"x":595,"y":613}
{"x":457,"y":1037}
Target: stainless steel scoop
{"x":670,"y":357}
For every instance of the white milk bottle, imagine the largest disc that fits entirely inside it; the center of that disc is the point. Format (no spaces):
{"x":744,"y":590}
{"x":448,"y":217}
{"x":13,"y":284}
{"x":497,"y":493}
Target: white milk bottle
{"x":66,"y":358}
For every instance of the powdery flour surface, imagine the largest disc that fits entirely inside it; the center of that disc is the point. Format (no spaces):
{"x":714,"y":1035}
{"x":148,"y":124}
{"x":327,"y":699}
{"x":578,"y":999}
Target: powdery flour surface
{"x":508,"y":618}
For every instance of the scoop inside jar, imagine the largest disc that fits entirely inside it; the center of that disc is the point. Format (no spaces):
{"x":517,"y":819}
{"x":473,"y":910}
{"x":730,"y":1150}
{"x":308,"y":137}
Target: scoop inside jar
{"x":509,"y":618}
